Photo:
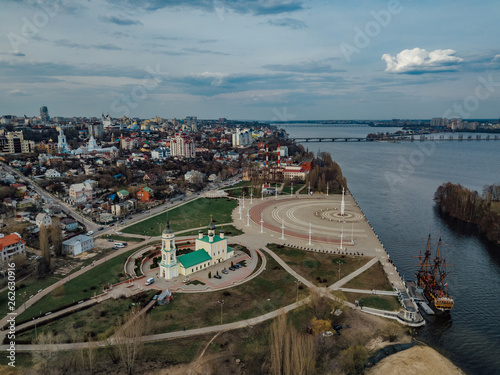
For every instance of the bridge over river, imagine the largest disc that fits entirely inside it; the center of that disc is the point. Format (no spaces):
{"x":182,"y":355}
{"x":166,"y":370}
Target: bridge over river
{"x":398,"y":138}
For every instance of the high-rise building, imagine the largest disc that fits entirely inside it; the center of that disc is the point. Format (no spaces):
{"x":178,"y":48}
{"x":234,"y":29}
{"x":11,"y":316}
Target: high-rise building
{"x":14,"y":143}
{"x":191,"y":123}
{"x":183,"y":146}
{"x":44,"y":114}
{"x":96,"y":129}
{"x":242,"y":138}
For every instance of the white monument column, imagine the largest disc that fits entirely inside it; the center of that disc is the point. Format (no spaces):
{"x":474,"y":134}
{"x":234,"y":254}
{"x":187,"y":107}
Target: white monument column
{"x":309,"y":233}
{"x":342,"y":205}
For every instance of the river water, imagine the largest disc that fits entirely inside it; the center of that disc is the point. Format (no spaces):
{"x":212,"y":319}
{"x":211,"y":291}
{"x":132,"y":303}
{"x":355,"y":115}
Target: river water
{"x":394,"y":183}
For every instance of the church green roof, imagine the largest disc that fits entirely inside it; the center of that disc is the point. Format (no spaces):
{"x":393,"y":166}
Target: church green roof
{"x":216,"y":239}
{"x":230,"y":249}
{"x":194,"y":258}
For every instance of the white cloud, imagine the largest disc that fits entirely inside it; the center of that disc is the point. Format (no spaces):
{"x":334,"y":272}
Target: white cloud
{"x":18,"y":92}
{"x":418,"y":60}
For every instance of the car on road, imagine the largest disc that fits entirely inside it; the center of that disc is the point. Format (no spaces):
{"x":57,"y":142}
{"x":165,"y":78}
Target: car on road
{"x":90,"y":233}
{"x":119,"y":232}
{"x":218,"y":276}
{"x":101,"y":228}
{"x":185,"y":280}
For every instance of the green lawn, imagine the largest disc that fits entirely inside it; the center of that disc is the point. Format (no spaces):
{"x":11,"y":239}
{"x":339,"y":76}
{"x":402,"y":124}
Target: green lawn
{"x":31,"y":287}
{"x":190,"y":215}
{"x":388,"y":303}
{"x":83,"y":286}
{"x":117,"y":237}
{"x":320,"y":268}
{"x":229,"y":231}
{"x":272,"y":289}
{"x":287,"y":189}
{"x":98,"y":321}
{"x":373,"y":278}
{"x":240,"y":185}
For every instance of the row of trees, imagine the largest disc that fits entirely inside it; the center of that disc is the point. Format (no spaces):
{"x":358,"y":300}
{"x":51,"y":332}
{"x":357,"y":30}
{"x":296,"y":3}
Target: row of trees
{"x":469,"y":206}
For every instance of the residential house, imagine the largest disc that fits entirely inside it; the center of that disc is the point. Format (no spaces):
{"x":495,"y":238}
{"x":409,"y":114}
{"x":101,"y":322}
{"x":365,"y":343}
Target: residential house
{"x":151,"y":178}
{"x":123,"y":208}
{"x":160,"y":153}
{"x":52,"y":173}
{"x":194,"y":177}
{"x":78,"y":245}
{"x":145,"y":194}
{"x":81,"y":192}
{"x":69,"y":224}
{"x":11,"y":246}
{"x":43,"y":219}
{"x":123,"y":194}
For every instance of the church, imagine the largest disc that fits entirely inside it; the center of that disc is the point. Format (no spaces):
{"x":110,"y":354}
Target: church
{"x":210,"y":249}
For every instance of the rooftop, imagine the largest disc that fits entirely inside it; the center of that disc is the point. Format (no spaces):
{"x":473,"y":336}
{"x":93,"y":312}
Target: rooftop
{"x":216,"y":239}
{"x":194,"y":258}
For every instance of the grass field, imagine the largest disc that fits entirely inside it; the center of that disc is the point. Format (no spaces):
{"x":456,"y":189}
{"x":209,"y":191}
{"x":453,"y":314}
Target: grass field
{"x":388,"y":303}
{"x":189,"y":215}
{"x":117,"y":237}
{"x":319,"y":266}
{"x":31,"y":287}
{"x":269,"y":291}
{"x":83,"y":286}
{"x":98,"y":321}
{"x":240,"y":185}
{"x":229,"y":230}
{"x":287,"y":190}
{"x":372,"y":278}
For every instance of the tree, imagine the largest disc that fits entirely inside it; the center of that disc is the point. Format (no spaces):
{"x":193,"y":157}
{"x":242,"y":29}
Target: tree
{"x":320,"y":326}
{"x":43,"y":238}
{"x":56,"y":235}
{"x":353,"y":358}
{"x":129,"y":339}
{"x":44,"y":359}
{"x":291,"y":352}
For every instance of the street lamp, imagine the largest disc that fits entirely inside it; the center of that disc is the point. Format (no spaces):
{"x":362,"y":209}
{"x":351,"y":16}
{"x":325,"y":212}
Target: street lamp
{"x":221,"y":302}
{"x":338,"y":262}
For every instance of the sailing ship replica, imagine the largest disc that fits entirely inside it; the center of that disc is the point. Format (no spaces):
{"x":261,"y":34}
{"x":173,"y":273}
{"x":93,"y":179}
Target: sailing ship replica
{"x":431,"y":279}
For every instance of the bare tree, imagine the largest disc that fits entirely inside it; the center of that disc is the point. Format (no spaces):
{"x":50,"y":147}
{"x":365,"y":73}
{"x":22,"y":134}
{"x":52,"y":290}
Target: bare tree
{"x":56,"y":235}
{"x":291,"y":352}
{"x":129,"y":338}
{"x":44,"y":359}
{"x":43,"y":238}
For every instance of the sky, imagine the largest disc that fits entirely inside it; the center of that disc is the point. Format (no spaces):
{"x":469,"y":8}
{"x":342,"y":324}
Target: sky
{"x":270,"y":60}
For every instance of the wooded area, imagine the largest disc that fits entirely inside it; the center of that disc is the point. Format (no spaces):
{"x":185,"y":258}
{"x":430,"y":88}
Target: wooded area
{"x":471,"y":207}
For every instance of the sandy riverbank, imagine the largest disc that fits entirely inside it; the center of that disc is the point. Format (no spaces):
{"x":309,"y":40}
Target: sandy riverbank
{"x":415,"y":361}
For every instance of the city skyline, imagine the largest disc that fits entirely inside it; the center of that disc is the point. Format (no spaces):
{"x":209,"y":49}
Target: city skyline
{"x":259,"y":60}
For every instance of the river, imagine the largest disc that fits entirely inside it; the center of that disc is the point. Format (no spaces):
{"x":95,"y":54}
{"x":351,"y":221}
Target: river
{"x":394,"y":183}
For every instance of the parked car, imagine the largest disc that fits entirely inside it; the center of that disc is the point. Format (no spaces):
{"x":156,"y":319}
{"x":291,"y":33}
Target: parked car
{"x":224,"y":271}
{"x":218,"y":276}
{"x":111,"y":240}
{"x":232,"y":268}
{"x":237,"y":265}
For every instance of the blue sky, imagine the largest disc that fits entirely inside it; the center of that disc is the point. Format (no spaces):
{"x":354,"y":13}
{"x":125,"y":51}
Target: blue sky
{"x":256,"y":59}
